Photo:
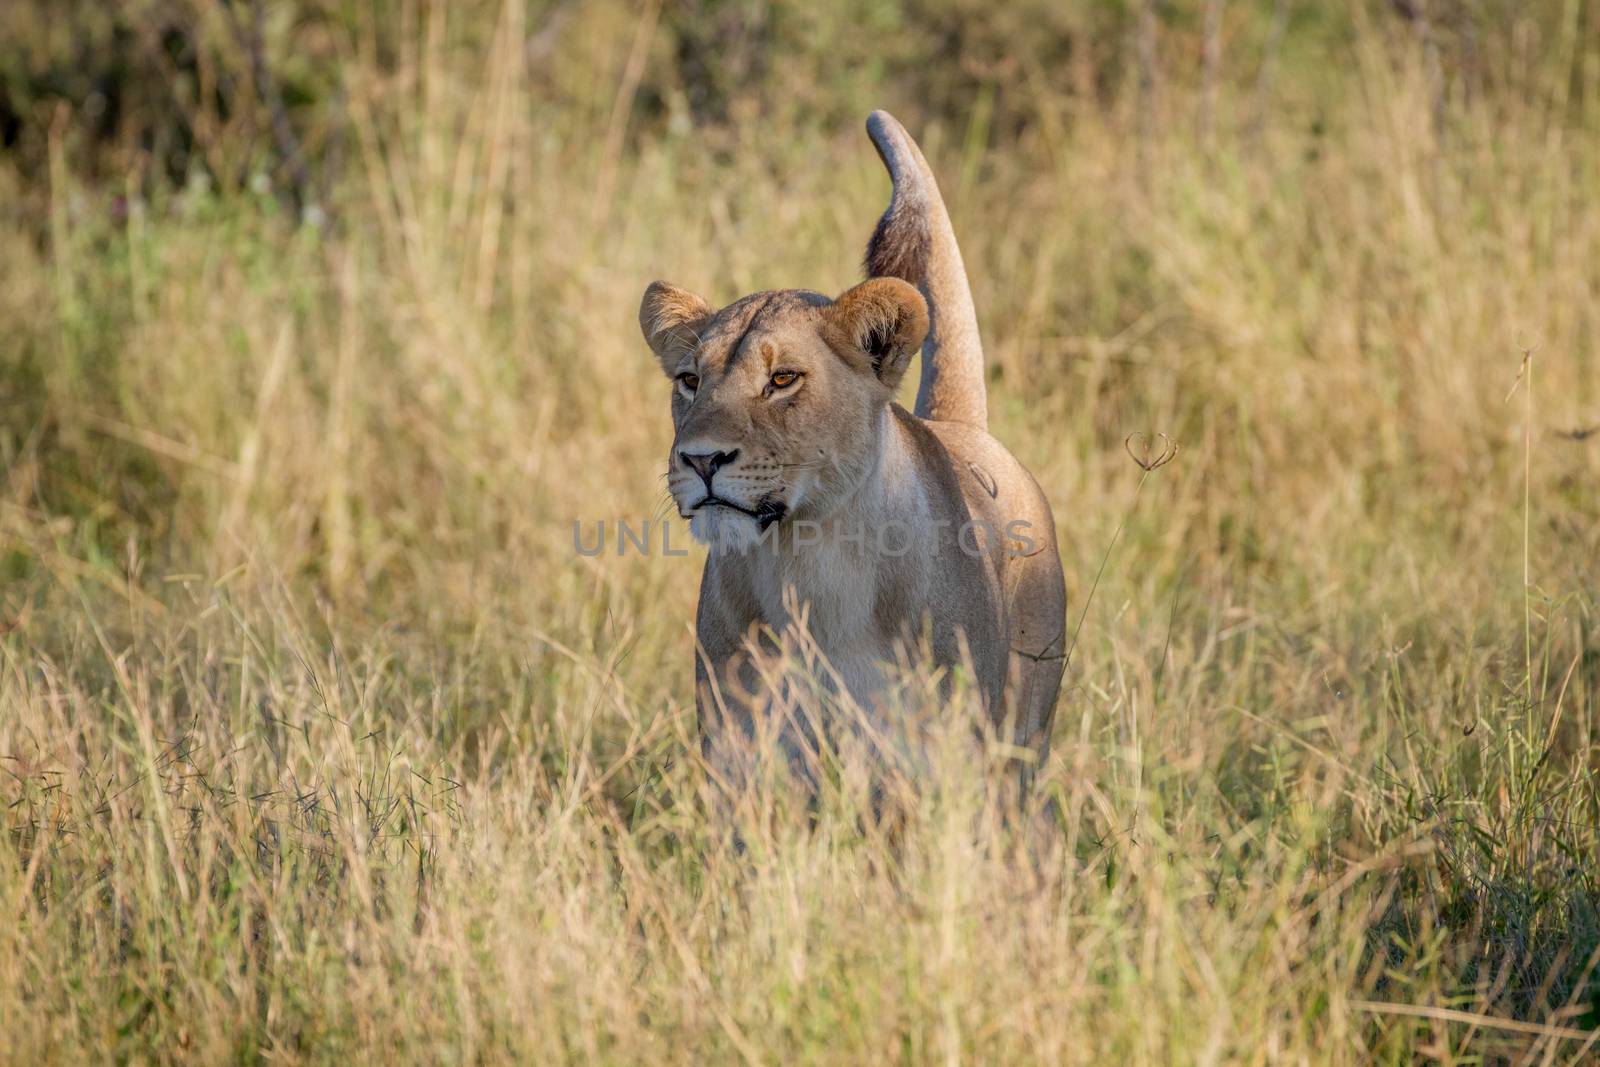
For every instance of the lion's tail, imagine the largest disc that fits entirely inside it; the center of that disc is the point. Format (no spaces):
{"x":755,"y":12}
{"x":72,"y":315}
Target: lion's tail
{"x":914,"y":241}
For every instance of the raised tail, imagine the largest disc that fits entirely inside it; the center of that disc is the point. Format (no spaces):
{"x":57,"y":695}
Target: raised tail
{"x":914,"y":242}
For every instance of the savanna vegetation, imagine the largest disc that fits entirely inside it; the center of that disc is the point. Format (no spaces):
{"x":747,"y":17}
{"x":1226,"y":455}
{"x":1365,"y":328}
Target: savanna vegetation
{"x":320,"y":743}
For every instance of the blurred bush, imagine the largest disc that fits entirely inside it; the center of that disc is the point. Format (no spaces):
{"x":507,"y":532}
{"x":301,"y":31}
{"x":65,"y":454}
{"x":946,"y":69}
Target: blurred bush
{"x":235,"y":89}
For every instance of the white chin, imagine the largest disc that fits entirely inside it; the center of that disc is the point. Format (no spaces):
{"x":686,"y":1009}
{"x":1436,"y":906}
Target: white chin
{"x":723,"y":528}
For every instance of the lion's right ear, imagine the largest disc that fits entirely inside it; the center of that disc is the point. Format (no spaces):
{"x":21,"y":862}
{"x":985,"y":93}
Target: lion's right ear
{"x":671,"y":320}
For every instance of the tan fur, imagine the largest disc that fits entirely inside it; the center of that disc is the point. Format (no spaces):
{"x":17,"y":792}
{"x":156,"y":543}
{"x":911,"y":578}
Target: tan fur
{"x":804,"y":469}
{"x":914,"y":241}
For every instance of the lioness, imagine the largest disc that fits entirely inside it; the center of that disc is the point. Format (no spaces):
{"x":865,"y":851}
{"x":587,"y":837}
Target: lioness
{"x":888,"y":531}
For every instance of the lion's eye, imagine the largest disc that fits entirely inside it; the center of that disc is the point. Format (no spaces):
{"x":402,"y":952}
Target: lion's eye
{"x":784,"y":378}
{"x":688,"y":383}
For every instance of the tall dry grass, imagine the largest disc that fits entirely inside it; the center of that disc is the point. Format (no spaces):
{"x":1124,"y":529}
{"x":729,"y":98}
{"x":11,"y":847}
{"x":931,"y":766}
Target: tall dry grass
{"x":318,"y":740}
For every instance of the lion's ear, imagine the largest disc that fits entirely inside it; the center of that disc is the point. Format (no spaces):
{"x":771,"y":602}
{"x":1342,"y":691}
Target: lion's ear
{"x":671,"y":319}
{"x":883,"y":321}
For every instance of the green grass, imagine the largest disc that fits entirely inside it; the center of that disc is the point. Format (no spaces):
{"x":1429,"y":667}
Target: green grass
{"x":318,"y":741}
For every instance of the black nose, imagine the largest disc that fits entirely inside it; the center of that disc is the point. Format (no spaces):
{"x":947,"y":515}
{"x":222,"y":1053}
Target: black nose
{"x":705,"y":464}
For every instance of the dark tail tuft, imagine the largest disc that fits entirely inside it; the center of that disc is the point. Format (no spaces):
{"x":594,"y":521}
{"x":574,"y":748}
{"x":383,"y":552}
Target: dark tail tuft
{"x":900,"y":244}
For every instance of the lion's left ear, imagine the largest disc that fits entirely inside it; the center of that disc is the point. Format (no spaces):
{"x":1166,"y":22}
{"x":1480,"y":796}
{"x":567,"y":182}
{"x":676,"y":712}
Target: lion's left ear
{"x":671,"y":320}
{"x":881,"y":321}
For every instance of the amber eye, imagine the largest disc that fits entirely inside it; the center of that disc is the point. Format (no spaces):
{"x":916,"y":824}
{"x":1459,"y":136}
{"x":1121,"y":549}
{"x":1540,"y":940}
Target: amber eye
{"x":784,"y":378}
{"x":688,"y":383}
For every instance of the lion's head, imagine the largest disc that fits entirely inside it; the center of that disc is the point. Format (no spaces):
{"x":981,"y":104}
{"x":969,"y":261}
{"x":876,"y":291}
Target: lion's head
{"x":777,"y":398}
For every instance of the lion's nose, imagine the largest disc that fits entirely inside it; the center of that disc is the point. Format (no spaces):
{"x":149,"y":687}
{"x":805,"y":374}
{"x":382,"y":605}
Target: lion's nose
{"x":705,"y":464}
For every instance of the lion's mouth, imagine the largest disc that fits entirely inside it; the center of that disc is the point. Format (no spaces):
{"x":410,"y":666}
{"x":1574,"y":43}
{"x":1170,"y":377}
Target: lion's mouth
{"x":766,"y":512}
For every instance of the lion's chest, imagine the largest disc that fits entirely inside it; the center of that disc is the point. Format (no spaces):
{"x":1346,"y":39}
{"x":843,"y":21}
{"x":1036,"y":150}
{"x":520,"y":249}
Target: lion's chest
{"x":832,"y":595}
